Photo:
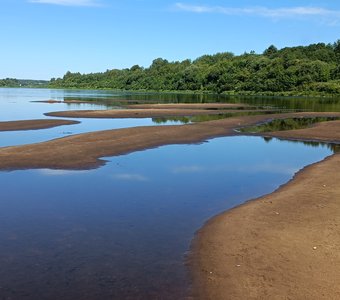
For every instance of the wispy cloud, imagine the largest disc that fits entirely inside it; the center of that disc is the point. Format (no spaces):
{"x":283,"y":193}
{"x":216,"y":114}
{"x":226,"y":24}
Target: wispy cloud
{"x":130,"y":177}
{"x":283,"y":12}
{"x":51,"y":172}
{"x":68,"y":2}
{"x":188,"y":169}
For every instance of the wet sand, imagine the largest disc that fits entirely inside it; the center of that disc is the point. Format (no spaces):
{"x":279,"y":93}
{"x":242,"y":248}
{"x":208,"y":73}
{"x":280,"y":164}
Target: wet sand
{"x":34,"y":124}
{"x":281,"y":246}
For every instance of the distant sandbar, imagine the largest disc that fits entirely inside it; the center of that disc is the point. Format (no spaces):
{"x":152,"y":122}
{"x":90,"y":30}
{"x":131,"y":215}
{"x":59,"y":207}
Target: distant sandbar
{"x":34,"y":124}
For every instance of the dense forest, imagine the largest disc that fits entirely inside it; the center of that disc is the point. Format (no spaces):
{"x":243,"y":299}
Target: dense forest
{"x":14,"y":83}
{"x":304,"y":69}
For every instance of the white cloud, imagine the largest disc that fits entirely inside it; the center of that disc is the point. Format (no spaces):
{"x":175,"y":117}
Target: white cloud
{"x":273,"y":168}
{"x":267,"y":167}
{"x":285,"y":12}
{"x":68,"y":2}
{"x":51,"y":172}
{"x":130,"y":177}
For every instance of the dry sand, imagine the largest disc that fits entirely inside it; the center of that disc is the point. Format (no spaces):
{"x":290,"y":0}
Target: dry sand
{"x":285,"y":245}
{"x":34,"y":124}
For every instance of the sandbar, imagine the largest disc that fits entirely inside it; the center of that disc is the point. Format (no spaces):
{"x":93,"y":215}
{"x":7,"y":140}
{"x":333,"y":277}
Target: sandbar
{"x":34,"y":124}
{"x":83,"y":151}
{"x":142,"y":113}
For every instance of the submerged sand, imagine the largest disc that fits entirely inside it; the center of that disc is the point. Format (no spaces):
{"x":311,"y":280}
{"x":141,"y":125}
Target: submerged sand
{"x":34,"y":124}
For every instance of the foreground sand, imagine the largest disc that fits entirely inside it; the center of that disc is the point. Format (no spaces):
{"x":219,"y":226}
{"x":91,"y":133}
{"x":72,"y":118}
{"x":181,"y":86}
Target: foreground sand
{"x":34,"y":124}
{"x":281,"y":246}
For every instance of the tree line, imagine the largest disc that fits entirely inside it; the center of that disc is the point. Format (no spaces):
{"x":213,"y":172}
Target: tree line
{"x":303,"y":69}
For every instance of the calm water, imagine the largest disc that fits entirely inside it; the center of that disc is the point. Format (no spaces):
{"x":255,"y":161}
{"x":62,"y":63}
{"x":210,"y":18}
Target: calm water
{"x":122,"y":231}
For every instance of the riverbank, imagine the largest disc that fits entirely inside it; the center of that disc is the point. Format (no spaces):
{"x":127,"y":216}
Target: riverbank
{"x":281,"y":246}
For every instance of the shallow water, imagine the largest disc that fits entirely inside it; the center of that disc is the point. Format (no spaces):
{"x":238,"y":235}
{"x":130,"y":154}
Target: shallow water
{"x":122,"y":231}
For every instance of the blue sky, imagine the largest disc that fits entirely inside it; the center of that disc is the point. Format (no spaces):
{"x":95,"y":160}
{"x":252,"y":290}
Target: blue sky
{"x":45,"y":38}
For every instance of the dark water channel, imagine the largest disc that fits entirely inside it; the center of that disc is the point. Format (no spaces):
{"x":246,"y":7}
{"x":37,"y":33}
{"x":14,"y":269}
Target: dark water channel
{"x":123,"y":231}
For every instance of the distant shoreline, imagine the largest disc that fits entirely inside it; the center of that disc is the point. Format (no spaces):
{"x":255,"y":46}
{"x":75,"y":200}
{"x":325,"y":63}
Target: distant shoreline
{"x":195,"y":92}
